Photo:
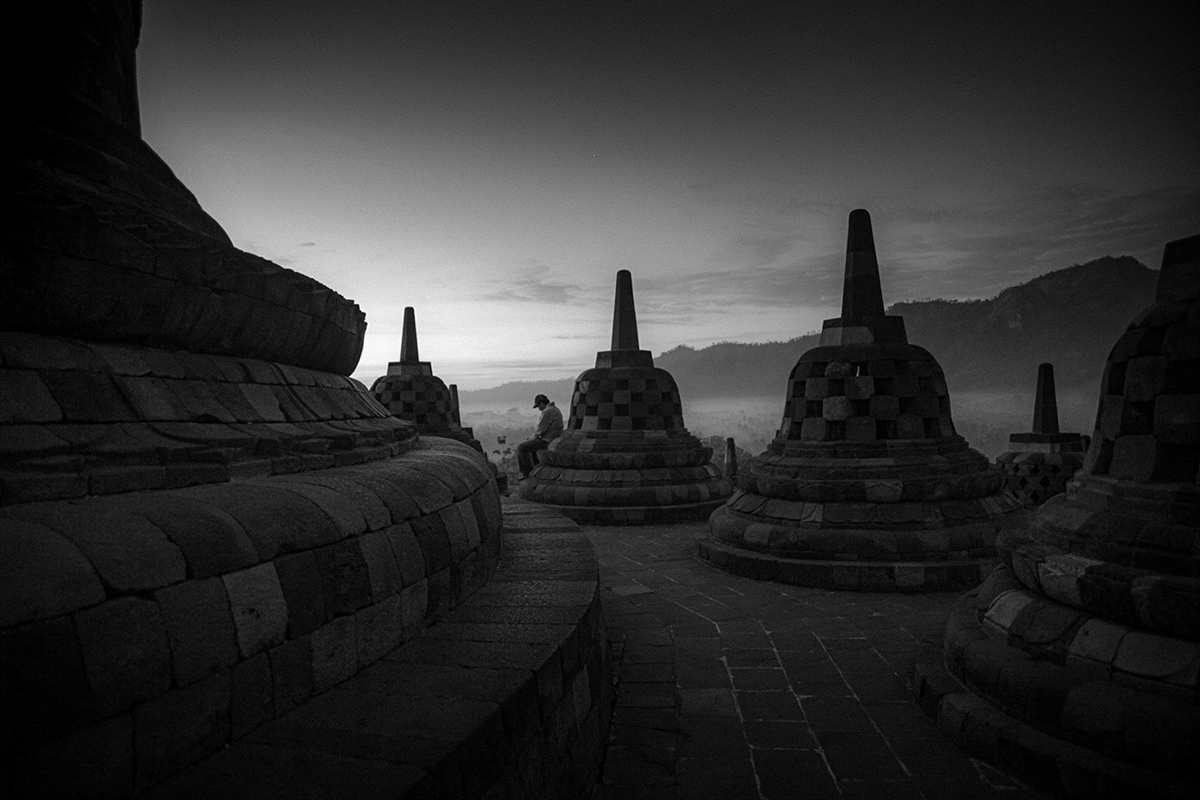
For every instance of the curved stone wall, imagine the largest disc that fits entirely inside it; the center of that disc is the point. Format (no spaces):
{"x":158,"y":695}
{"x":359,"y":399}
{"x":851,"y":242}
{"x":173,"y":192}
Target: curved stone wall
{"x":90,"y":267}
{"x":85,"y":418}
{"x":144,"y":631}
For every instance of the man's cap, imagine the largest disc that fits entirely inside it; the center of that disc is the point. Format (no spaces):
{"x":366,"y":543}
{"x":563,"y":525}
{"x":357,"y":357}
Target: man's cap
{"x":541,"y":398}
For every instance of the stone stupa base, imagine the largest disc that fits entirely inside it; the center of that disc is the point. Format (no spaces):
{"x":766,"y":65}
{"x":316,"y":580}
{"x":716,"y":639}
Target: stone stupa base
{"x":1069,"y":702}
{"x":874,"y":547}
{"x":864,"y":576}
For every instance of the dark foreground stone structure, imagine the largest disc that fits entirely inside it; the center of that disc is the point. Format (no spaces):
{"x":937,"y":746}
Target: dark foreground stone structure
{"x":625,"y":456}
{"x":207,"y":528}
{"x":1076,"y":663}
{"x":1039,"y":463}
{"x":866,"y":486}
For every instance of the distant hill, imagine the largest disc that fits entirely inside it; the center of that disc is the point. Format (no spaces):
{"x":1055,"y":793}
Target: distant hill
{"x":1070,"y":317}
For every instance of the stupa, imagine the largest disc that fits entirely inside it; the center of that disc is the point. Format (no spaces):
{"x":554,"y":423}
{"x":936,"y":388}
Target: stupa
{"x":866,"y":485}
{"x":1039,"y":463}
{"x":412,"y":392}
{"x":1081,"y":652}
{"x":205,"y":521}
{"x":625,"y":456}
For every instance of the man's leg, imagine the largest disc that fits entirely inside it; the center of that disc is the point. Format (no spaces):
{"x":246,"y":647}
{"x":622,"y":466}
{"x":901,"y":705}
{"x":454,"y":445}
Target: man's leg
{"x":525,"y":451}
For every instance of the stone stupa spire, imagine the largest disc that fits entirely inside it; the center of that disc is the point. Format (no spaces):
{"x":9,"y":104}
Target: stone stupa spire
{"x":863,"y":320}
{"x":625,"y":350}
{"x":624,"y":333}
{"x":862,"y":294}
{"x":1045,"y":404}
{"x":410,"y":362}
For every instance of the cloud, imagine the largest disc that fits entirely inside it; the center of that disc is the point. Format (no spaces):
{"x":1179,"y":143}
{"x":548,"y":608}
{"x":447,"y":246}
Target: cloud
{"x":532,"y":282}
{"x":307,"y":244}
{"x":978,"y":250}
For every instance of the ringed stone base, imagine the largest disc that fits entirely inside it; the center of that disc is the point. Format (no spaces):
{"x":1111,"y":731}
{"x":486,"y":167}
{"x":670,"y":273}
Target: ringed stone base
{"x":637,"y":515}
{"x":865,"y":576}
{"x":1073,"y":703}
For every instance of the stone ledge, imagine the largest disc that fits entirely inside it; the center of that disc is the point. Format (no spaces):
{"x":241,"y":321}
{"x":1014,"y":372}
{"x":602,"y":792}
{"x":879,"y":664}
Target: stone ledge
{"x":508,"y":696}
{"x":146,"y":630}
{"x":1011,"y":744}
{"x":866,"y":576}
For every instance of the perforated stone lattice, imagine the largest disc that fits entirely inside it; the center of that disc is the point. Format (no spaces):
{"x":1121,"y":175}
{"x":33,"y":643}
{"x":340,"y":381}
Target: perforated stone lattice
{"x":1036,"y":477}
{"x":902,"y":395}
{"x":423,"y":399}
{"x":631,"y":402}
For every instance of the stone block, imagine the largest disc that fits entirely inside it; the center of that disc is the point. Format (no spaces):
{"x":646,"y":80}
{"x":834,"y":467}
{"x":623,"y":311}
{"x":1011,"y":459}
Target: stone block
{"x":180,"y":728}
{"x":859,"y":387}
{"x":125,"y":651}
{"x":414,"y":607}
{"x":344,"y":579}
{"x":466,"y":510}
{"x":884,"y":407}
{"x":252,"y":695}
{"x":276,"y":521}
{"x":836,"y":409}
{"x":816,"y":388}
{"x":25,"y":399}
{"x":300,"y":581}
{"x":342,"y":511}
{"x":42,"y":574}
{"x":905,"y":386}
{"x":384,"y":575}
{"x":1145,"y":378}
{"x":456,"y":533}
{"x":1177,"y":419}
{"x":435,"y":543}
{"x":291,"y":673}
{"x":126,"y":550}
{"x":260,"y":613}
{"x":334,"y":653}
{"x":410,"y":560}
{"x":861,"y":429}
{"x":1135,"y":458}
{"x":199,"y":628}
{"x":910,"y":426}
{"x":44,"y":688}
{"x":379,"y":629}
{"x":1155,"y":657}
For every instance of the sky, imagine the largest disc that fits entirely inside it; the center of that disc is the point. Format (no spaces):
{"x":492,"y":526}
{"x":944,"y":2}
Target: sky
{"x":494,"y":164}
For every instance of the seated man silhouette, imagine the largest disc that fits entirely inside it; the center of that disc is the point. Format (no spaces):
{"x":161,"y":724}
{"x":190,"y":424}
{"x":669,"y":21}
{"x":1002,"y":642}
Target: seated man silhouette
{"x":549,"y":426}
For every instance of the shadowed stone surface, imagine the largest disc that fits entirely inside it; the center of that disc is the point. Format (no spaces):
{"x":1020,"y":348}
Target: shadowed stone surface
{"x":205,"y":519}
{"x":866,"y":485}
{"x":625,"y":456}
{"x":1038,"y":464}
{"x":1078,"y":660}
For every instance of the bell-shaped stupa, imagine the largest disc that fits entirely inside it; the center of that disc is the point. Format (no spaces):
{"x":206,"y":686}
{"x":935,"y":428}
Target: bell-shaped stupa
{"x":1080,"y":654}
{"x":1039,"y":463}
{"x":412,"y":392}
{"x":625,"y":456}
{"x":866,"y":486}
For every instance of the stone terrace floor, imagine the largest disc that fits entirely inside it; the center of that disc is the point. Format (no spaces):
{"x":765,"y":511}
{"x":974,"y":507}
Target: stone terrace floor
{"x":733,"y":688}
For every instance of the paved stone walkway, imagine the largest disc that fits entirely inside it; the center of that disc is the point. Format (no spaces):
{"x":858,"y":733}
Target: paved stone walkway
{"x":732,"y":688}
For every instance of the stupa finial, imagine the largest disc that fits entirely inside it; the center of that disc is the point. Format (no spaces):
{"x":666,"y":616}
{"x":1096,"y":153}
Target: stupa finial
{"x":410,"y":362}
{"x":624,"y":334}
{"x":1045,"y":404}
{"x":408,"y":339}
{"x":862,"y":295}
